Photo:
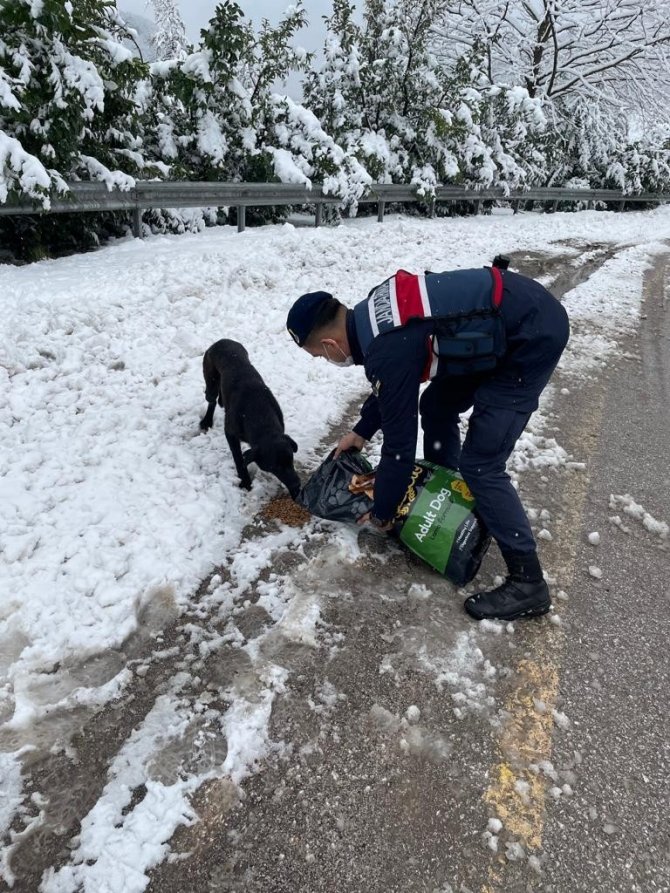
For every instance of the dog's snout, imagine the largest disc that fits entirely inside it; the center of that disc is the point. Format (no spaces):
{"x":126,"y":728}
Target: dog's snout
{"x":292,"y":483}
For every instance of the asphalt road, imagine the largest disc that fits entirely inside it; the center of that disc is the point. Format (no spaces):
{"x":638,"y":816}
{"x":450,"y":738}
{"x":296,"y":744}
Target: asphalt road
{"x":614,"y":833}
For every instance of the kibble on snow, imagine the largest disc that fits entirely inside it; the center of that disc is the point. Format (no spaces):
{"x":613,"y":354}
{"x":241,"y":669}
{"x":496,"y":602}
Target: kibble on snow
{"x":594,"y":538}
{"x":595,"y":572}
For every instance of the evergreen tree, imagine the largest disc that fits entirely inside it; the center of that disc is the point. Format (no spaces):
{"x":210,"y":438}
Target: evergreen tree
{"x":169,"y":40}
{"x":408,"y":115}
{"x":66,"y":96}
{"x":197,"y":112}
{"x":290,"y":136}
{"x":214,"y":115}
{"x":333,"y":91}
{"x":375,"y":88}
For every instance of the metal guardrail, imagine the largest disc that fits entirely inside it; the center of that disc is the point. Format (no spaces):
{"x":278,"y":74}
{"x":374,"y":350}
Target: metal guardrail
{"x":89,"y":197}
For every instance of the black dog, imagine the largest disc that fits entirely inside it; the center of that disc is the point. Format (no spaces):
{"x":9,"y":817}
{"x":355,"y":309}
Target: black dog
{"x":252,"y":414}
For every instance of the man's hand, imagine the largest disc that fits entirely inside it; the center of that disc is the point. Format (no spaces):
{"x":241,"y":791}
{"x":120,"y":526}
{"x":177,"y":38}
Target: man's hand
{"x":367,"y":519}
{"x":348,"y":441}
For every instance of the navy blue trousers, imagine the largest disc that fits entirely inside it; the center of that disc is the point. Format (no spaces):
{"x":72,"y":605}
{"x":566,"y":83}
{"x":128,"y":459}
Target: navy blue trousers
{"x":492,"y":434}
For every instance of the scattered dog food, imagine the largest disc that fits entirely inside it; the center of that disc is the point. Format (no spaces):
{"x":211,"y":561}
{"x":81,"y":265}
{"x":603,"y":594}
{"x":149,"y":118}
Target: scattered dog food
{"x":282,"y":508}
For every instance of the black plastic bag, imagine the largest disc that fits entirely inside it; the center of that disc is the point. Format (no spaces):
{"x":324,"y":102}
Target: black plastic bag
{"x":327,"y":495}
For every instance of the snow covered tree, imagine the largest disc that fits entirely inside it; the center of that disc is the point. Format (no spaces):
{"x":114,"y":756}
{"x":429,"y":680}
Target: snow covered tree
{"x":214,"y":114}
{"x":563,"y":47}
{"x":197,"y":112}
{"x":66,"y":97}
{"x":302,"y":152}
{"x":169,"y":40}
{"x":377,"y":89}
{"x":290,"y":137}
{"x":334,"y":91}
{"x":591,"y":64}
{"x":408,"y":115}
{"x":495,"y":129}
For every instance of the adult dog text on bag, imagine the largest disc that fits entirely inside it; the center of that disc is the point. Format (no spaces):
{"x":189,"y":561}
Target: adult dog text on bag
{"x":435,"y":505}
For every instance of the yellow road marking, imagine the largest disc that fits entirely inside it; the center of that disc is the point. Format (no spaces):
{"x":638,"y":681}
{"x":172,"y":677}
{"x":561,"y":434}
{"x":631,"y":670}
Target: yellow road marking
{"x":525,"y":740}
{"x":516,"y":792}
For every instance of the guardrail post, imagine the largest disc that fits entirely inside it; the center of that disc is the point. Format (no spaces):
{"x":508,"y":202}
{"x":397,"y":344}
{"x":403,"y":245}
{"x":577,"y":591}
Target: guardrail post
{"x":137,"y":223}
{"x":241,"y":218}
{"x":380,"y":211}
{"x":622,"y":206}
{"x":478,"y":206}
{"x":319,"y":214}
{"x":590,"y":206}
{"x":431,"y":208}
{"x":554,"y":207}
{"x":515,"y":207}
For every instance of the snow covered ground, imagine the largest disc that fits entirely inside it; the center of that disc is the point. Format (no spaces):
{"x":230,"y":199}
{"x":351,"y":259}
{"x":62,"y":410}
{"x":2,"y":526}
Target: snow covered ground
{"x":112,"y":498}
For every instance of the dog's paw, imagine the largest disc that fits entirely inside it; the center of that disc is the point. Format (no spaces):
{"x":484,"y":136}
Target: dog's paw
{"x":205,"y":425}
{"x":245,"y":485}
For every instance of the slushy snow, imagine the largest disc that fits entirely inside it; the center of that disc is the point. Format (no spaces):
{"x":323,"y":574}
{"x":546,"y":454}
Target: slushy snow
{"x":639,"y":513}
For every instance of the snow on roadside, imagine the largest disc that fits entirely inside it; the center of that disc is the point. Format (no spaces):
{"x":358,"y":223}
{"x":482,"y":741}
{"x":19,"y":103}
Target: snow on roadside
{"x":118,"y":841}
{"x":10,"y":790}
{"x":110,"y":490}
{"x":112,"y":493}
{"x":603,"y":308}
{"x":607,"y":306}
{"x":637,"y":511}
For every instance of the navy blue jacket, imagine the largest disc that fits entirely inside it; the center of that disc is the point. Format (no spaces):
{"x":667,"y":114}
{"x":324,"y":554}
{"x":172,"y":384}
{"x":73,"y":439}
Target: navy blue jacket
{"x":395,"y":363}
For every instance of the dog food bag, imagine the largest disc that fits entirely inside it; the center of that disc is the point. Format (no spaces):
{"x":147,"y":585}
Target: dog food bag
{"x":436,"y":519}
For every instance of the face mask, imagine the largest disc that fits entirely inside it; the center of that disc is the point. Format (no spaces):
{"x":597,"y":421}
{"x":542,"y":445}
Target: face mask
{"x":343,"y":364}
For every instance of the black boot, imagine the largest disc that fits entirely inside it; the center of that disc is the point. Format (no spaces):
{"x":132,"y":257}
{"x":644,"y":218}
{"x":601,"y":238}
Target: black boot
{"x":523,"y":594}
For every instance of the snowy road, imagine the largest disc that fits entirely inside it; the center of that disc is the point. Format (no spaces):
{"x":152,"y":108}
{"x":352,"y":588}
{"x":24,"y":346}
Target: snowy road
{"x":266,"y":709}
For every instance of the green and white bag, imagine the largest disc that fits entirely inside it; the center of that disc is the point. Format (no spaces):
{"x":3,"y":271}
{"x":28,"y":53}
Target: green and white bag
{"x":436,"y":520}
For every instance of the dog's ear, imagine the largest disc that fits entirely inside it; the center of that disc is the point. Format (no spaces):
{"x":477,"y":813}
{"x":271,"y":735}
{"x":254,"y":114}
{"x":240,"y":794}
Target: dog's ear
{"x":294,"y":445}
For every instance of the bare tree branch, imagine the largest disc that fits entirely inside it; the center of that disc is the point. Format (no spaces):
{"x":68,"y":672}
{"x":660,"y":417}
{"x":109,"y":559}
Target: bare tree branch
{"x":616,"y":49}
